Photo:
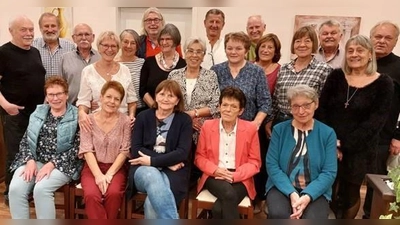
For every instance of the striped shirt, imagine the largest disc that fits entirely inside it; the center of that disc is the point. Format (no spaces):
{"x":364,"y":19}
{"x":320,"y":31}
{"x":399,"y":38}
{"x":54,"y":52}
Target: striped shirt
{"x":134,"y":68}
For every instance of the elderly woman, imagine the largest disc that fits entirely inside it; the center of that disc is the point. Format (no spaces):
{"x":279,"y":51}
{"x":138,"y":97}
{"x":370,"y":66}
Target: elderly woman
{"x":228,"y":154}
{"x":105,"y":149}
{"x":95,"y":75}
{"x":246,"y":76}
{"x":129,"y":46}
{"x":304,"y":69}
{"x":161,"y":140}
{"x":48,"y":153}
{"x":355,"y":102}
{"x":156,"y":68}
{"x":301,"y":161}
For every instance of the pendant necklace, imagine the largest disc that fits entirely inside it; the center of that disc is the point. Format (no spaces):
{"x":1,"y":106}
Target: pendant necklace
{"x":347,"y":97}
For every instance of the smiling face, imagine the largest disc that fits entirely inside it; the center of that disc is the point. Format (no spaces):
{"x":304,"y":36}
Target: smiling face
{"x":214,"y":25}
{"x":384,"y":40}
{"x":303,"y":47}
{"x":194,"y":55}
{"x":266,"y":51}
{"x":57,"y":97}
{"x":108,"y":49}
{"x":235,"y":51}
{"x":166,"y":100}
{"x":255,"y":28}
{"x":49,"y":28}
{"x":303,"y":109}
{"x":111,"y":100}
{"x":83,"y":36}
{"x":128,"y":44}
{"x":330,"y":36}
{"x":153,"y":24}
{"x":357,"y":57}
{"x":22,"y":32}
{"x":166,"y":43}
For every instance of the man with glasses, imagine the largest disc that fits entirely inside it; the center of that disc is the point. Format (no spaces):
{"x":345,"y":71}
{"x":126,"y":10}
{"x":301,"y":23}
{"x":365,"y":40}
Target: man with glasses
{"x":152,"y":23}
{"x":72,"y":63}
{"x":384,"y":36}
{"x":21,"y":87}
{"x":50,"y":45}
{"x":214,"y":23}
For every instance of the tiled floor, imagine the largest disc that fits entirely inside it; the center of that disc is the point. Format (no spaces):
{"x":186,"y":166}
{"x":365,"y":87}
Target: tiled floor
{"x":5,"y":214}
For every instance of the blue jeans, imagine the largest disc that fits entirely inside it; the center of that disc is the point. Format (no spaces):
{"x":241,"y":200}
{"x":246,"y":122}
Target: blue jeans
{"x":43,"y":194}
{"x":160,"y":201}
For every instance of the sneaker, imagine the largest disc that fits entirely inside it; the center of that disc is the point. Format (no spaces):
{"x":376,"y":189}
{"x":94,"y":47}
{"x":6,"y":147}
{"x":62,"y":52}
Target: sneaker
{"x":6,"y":200}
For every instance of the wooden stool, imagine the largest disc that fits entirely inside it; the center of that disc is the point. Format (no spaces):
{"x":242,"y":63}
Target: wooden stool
{"x":205,"y":201}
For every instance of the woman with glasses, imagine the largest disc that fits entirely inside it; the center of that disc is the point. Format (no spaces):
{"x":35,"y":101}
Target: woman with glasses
{"x":47,"y":157}
{"x":156,"y":68}
{"x":95,"y":75}
{"x":301,"y":161}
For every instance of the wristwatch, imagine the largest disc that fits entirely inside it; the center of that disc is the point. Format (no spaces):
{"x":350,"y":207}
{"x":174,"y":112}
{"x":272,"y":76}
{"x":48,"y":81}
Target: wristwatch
{"x":196,"y":113}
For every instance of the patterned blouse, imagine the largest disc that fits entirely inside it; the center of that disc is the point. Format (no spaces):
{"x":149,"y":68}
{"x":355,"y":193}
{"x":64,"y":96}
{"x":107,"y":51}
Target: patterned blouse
{"x":299,"y":166}
{"x":47,"y":149}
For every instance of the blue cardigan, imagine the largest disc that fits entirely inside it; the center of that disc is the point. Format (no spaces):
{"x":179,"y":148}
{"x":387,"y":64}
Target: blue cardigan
{"x":321,"y":147}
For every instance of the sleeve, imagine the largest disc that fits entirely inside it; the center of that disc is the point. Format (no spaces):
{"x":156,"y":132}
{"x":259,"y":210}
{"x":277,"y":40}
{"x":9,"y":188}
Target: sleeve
{"x":24,"y":154}
{"x":202,"y":155}
{"x":144,"y":76}
{"x":278,"y":177}
{"x":126,"y":139}
{"x":263,"y":96}
{"x":327,"y":176}
{"x":253,"y":164}
{"x":66,"y":161}
{"x":328,"y":70}
{"x":85,"y":94}
{"x":328,"y":91}
{"x":274,"y":108}
{"x":215,"y":93}
{"x":182,"y":149}
{"x":86,"y":143}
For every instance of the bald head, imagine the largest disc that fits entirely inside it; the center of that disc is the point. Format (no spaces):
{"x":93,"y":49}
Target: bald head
{"x":255,"y":28}
{"x":22,"y":31}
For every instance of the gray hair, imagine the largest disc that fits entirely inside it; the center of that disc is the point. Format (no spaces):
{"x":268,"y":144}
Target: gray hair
{"x":302,"y":90}
{"x":146,"y":14}
{"x":49,"y":14}
{"x":331,"y":23}
{"x":108,"y":34}
{"x":258,"y":17}
{"x":195,"y":40}
{"x":134,"y":34}
{"x":365,"y":42}
{"x":15,"y":19}
{"x":385,"y":22}
{"x":173,"y":31}
{"x":215,"y":12}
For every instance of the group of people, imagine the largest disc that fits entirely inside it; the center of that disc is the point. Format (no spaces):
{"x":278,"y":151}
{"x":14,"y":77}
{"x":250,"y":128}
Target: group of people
{"x":135,"y":115}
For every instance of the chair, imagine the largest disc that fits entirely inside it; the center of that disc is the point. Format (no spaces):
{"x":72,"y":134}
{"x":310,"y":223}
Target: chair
{"x":134,"y":207}
{"x":205,"y":201}
{"x":77,"y":206}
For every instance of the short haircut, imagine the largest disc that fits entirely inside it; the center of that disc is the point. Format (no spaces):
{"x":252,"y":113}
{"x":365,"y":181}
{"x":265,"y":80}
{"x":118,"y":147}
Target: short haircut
{"x":108,"y":35}
{"x":302,"y":90}
{"x":56,"y":80}
{"x":195,"y":40}
{"x":146,"y":14}
{"x":365,"y":42}
{"x":84,"y":25}
{"x":14,"y":20}
{"x":173,"y":31}
{"x":238,"y":36}
{"x":306,"y":31}
{"x":112,"y":84}
{"x":331,"y":23}
{"x":385,"y":22}
{"x":215,"y":12}
{"x":134,"y":34}
{"x":277,"y":44}
{"x":235,"y":93}
{"x":49,"y":14}
{"x":258,"y":17}
{"x":173,"y":87}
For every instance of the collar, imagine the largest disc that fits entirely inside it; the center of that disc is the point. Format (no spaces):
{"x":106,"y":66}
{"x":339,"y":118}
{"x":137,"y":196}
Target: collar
{"x":313,"y":63}
{"x":44,"y":44}
{"x":221,"y":128}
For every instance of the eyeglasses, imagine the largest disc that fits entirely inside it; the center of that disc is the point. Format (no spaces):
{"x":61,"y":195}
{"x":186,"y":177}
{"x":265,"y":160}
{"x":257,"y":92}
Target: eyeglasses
{"x":155,"y":20}
{"x":58,"y":95}
{"x":306,"y":106}
{"x":82,"y":35}
{"x":194,"y":52}
{"x":113,"y":47}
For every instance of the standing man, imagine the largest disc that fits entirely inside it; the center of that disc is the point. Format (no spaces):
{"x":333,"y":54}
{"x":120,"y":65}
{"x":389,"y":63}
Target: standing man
{"x":255,"y":29}
{"x":21,"y":87}
{"x":330,"y":34}
{"x":384,"y":36}
{"x":72,"y":63}
{"x":214,"y":23}
{"x":50,"y":45}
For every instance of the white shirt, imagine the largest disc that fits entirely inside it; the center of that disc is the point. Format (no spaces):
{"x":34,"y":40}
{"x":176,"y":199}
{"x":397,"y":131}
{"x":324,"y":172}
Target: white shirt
{"x":214,"y":55}
{"x":190,"y":83}
{"x":227,"y":147}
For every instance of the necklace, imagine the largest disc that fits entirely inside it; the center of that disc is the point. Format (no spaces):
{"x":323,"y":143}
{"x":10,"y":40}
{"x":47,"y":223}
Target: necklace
{"x":347,"y":97}
{"x":105,"y":69}
{"x":164,"y":64}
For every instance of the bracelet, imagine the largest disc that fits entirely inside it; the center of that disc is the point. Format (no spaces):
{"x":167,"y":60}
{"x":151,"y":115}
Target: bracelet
{"x":196,"y":113}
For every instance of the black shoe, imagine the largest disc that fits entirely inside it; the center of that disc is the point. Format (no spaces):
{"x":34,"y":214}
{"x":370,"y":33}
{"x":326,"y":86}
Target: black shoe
{"x":6,"y":200}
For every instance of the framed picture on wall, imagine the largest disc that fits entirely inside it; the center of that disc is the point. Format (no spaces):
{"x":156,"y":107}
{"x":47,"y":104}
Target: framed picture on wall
{"x":64,"y":14}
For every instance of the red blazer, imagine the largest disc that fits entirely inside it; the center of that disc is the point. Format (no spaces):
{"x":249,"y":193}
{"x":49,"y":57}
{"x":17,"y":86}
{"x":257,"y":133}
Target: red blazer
{"x":248,"y":160}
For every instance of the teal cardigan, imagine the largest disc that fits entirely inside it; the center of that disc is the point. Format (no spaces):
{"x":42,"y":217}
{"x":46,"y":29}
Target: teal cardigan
{"x":321,"y":147}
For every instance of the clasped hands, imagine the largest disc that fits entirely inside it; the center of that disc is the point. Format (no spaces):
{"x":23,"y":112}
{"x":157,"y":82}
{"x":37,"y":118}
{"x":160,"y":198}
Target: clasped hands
{"x":223,"y":174}
{"x":103,"y":181}
{"x":299,"y":204}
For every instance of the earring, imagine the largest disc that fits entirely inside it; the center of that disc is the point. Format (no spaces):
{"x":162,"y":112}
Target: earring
{"x":369,"y":60}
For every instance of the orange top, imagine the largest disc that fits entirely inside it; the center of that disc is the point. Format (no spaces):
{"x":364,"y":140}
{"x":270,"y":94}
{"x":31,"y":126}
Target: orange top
{"x":150,"y":51}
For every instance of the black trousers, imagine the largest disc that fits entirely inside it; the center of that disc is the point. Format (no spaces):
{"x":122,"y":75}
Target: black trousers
{"x":14,"y":128}
{"x":228,"y":198}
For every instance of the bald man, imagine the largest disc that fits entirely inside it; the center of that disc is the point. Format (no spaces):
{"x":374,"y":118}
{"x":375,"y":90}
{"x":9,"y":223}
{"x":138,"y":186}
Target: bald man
{"x":21,"y":86}
{"x":255,"y":29}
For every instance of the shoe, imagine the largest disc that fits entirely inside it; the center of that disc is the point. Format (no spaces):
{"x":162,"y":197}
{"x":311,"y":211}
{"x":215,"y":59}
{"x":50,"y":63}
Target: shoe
{"x":6,"y":200}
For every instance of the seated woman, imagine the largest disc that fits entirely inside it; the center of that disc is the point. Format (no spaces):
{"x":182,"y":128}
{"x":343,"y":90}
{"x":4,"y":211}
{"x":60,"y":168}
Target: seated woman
{"x":228,"y":154}
{"x":301,"y":161}
{"x":48,"y":153}
{"x":105,"y":149}
{"x":160,"y":150}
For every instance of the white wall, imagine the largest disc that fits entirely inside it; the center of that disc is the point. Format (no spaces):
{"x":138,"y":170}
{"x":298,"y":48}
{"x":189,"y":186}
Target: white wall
{"x":278,"y":15}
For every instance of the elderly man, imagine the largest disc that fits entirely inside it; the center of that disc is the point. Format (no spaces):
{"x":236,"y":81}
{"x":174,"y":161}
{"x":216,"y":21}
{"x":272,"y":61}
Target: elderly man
{"x":50,"y":45}
{"x":214,"y":23}
{"x":384,"y":36}
{"x":330,"y":34}
{"x":255,"y":29}
{"x":21,"y":87}
{"x":152,"y":22}
{"x":72,"y":63}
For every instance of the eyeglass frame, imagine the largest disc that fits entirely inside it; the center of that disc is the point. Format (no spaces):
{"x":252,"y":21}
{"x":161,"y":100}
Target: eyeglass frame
{"x":194,"y":52}
{"x":155,"y":20}
{"x":113,"y":47}
{"x":84,"y":34}
{"x":306,"y":106}
{"x":58,"y":95}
